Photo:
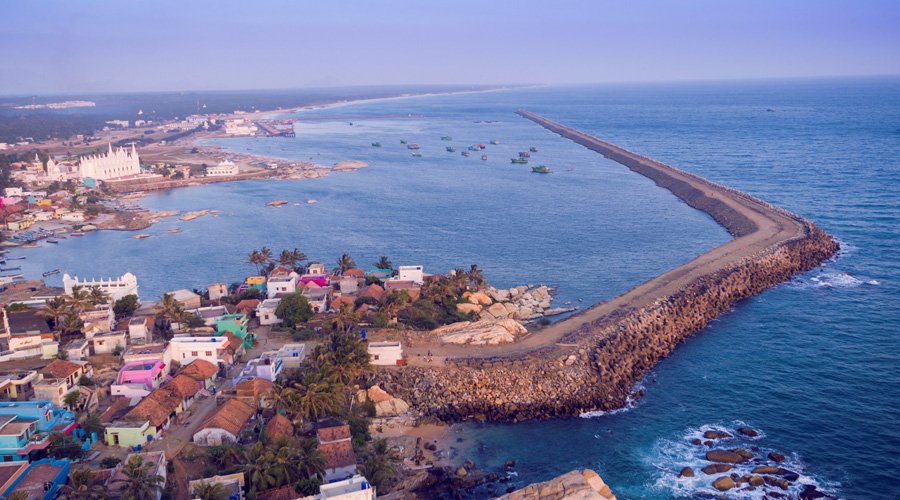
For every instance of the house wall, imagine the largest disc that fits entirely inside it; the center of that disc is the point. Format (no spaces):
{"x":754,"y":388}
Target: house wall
{"x":106,"y":344}
{"x":213,"y":437}
{"x":385,"y":355}
{"x":340,"y":473}
{"x":129,"y":437}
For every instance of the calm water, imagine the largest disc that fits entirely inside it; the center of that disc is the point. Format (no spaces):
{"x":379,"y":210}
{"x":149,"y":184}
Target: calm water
{"x":812,"y":364}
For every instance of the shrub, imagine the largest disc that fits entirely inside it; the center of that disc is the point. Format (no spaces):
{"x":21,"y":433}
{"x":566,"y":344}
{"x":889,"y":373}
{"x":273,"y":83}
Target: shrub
{"x":109,"y":462}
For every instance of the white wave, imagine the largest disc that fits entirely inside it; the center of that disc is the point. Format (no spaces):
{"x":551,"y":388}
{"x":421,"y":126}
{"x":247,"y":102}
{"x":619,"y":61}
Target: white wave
{"x":630,"y":402}
{"x":833,"y":279}
{"x":670,"y":455}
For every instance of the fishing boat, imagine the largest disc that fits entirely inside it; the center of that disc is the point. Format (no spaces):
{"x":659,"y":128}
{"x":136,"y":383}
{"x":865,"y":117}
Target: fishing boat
{"x":50,"y":273}
{"x":417,"y":154}
{"x":518,"y":160}
{"x":541,"y":169}
{"x":402,"y":141}
{"x":465,"y":153}
{"x":446,"y":138}
{"x":77,"y":234}
{"x":495,"y":142}
{"x":483,"y":157}
{"x":55,"y":242}
{"x":376,"y":144}
{"x":16,"y":258}
{"x":524,"y":154}
{"x":532,"y":149}
{"x":473,"y":148}
{"x":450,"y":149}
{"x":481,"y":146}
{"x":17,"y":268}
{"x":413,"y":146}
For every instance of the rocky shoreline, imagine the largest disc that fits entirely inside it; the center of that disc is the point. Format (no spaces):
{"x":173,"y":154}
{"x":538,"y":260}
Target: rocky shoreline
{"x":596,"y":365}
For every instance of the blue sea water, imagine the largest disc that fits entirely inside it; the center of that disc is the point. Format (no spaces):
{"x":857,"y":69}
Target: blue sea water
{"x":812,"y":364}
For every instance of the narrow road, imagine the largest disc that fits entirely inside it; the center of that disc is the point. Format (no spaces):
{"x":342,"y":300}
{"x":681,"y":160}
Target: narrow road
{"x":758,"y":226}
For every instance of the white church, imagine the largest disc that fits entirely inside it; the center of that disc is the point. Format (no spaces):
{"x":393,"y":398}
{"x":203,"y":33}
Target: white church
{"x":111,"y":165}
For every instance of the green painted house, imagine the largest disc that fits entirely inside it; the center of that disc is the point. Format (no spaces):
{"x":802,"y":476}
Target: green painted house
{"x":235,"y":324}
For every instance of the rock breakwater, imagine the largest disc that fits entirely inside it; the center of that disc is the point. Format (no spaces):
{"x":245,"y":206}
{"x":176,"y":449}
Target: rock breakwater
{"x":594,"y":359}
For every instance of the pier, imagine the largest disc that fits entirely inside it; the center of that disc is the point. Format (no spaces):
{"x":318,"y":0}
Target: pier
{"x":592,"y":360}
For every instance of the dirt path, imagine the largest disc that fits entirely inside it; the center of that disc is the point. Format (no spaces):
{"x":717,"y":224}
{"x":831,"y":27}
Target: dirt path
{"x":768,"y":227}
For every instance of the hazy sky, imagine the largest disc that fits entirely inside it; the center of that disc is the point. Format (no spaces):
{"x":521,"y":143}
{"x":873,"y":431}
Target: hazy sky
{"x":86,"y":46}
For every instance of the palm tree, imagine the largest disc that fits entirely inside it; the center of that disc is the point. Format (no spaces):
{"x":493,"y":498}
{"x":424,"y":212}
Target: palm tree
{"x":291,"y":258}
{"x":265,"y":256}
{"x":345,"y":318}
{"x":379,"y":465}
{"x":475,"y":276}
{"x":91,"y":424}
{"x":55,"y":309}
{"x":310,"y":461}
{"x":140,"y":483}
{"x":170,"y":309}
{"x":97,"y":296}
{"x":395,"y":302}
{"x":72,"y":322}
{"x":72,"y":399}
{"x":345,"y":263}
{"x":255,"y":259}
{"x":82,"y":486}
{"x":258,"y":468}
{"x":80,"y":300}
{"x":17,"y":495}
{"x":384,"y":263}
{"x":211,"y":491}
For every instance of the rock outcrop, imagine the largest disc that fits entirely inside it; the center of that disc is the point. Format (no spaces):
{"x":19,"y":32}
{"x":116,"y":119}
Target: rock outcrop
{"x":484,"y":332}
{"x":385,"y":404}
{"x":575,"y":485}
{"x":524,"y":303}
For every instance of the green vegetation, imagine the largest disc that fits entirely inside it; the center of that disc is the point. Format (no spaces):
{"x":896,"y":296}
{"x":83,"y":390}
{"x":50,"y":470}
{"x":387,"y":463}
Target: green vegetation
{"x":140,"y":481}
{"x":126,"y":306}
{"x":83,"y":484}
{"x":63,"y":446}
{"x":293,"y":309}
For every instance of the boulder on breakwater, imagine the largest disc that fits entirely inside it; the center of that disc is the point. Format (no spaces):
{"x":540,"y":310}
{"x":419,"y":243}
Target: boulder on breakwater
{"x":577,"y":484}
{"x":485,"y":332}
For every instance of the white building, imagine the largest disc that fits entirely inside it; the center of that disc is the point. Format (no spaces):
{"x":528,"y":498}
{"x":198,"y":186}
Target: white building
{"x":106,"y":343}
{"x":217,"y":291}
{"x":224,"y":168}
{"x":185,"y":348}
{"x":240,"y":126}
{"x":281,"y":284}
{"x":354,"y":488}
{"x":265,"y":312}
{"x":416,"y":274}
{"x":111,"y":165}
{"x":140,"y":329}
{"x":270,"y":364}
{"x":116,"y":288}
{"x":385,"y":353}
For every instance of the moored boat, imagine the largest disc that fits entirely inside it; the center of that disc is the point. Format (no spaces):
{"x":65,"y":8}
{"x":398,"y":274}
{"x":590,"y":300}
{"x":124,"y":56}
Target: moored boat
{"x":495,"y":142}
{"x":446,"y":138}
{"x":413,"y":146}
{"x":483,"y":157}
{"x":50,"y":273}
{"x":518,"y":160}
{"x":376,"y":144}
{"x":450,"y":149}
{"x":55,"y":242}
{"x":524,"y":154}
{"x":402,"y":141}
{"x":532,"y":149}
{"x":465,"y":153}
{"x":541,"y":169}
{"x":417,"y":154}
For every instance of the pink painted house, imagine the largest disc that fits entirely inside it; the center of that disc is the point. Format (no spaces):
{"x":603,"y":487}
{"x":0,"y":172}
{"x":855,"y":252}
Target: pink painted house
{"x":138,"y":378}
{"x":318,"y":279}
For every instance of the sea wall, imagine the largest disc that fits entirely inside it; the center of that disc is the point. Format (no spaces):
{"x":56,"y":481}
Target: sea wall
{"x":611,"y":354}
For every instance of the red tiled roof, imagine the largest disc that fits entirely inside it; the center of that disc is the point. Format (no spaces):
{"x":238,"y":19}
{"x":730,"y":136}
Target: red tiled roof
{"x":254,"y":388}
{"x":231,"y":416}
{"x":156,"y":407}
{"x":112,"y":413}
{"x":183,"y":385}
{"x":355,"y":273}
{"x":339,"y":454}
{"x":279,"y":426}
{"x":60,"y":368}
{"x":246,"y":305}
{"x":374,"y":291}
{"x":199,"y":370}
{"x":333,"y":432}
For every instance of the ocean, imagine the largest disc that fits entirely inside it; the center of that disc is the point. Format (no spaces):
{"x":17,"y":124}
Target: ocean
{"x":811,"y":364}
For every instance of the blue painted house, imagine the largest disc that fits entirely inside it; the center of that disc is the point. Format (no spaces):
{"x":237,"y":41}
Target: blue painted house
{"x":25,"y":428}
{"x":39,"y":479}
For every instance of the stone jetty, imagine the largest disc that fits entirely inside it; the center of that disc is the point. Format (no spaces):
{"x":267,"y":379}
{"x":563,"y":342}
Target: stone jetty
{"x":592,"y":360}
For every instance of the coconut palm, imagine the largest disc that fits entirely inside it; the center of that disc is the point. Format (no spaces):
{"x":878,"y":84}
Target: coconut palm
{"x":309,"y":459}
{"x":475,"y":276}
{"x":395,"y":302}
{"x":82,"y":486}
{"x":72,"y":399}
{"x":384,"y":263}
{"x":255,"y":259}
{"x":140,"y":482}
{"x":211,"y":491}
{"x":258,"y":468}
{"x":345,"y":318}
{"x":91,"y":424}
{"x":265,"y":256}
{"x":170,"y":310}
{"x":80,"y":300}
{"x":345,"y":263}
{"x":380,"y":464}
{"x":291,"y":258}
{"x":318,"y":400}
{"x":71,"y":322}
{"x":55,"y":309}
{"x":97,"y":296}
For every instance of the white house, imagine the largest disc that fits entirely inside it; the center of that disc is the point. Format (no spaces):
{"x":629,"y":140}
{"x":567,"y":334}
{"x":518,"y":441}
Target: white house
{"x":225,"y":425}
{"x":210,"y":314}
{"x":217,"y":291}
{"x":385,"y":353}
{"x":106,"y":343}
{"x":185,"y":348}
{"x":140,"y":329}
{"x":415,"y":274}
{"x":281,"y":284}
{"x":265,"y":311}
{"x":223,"y":169}
{"x":354,"y":488}
{"x":153,"y":352}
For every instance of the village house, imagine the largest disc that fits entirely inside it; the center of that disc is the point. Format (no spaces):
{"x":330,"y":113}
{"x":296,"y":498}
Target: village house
{"x":246,"y":307}
{"x":352,"y":488}
{"x":140,"y":329}
{"x":28,"y":335}
{"x":317,"y":298}
{"x":233,"y":483}
{"x":415,"y":274}
{"x":40,"y":479}
{"x":269,"y":365}
{"x":320,"y":280}
{"x":281,"y":281}
{"x":19,"y":386}
{"x":237,"y":325}
{"x":202,"y":371}
{"x":157,"y":467}
{"x":348,"y":285}
{"x":265,"y":312}
{"x":25,"y":427}
{"x":316,"y":268}
{"x":99,"y":319}
{"x":60,"y":377}
{"x":187,"y":299}
{"x":225,"y":425}
{"x":210,"y":314}
{"x":154,"y":413}
{"x":77,"y":349}
{"x":337,"y":450}
{"x":138,"y":378}
{"x":151,"y":352}
{"x":217,"y":291}
{"x":279,"y":426}
{"x":109,"y":342}
{"x":385,"y":353}
{"x":255,"y":392}
{"x":185,"y":348}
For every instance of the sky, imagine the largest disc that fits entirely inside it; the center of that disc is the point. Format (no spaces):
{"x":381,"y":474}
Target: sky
{"x":122,"y":46}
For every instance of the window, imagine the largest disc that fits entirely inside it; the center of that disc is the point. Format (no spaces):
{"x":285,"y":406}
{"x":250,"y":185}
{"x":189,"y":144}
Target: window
{"x":194,"y":353}
{"x":209,"y":353}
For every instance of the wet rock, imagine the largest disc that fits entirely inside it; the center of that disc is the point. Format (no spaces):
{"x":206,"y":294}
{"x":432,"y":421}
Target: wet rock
{"x":462,"y":472}
{"x":716,"y":469}
{"x":724,"y":483}
{"x":716,"y":435}
{"x":686,"y":472}
{"x":510,"y":464}
{"x":768,"y":469}
{"x":810,"y":492}
{"x":469,"y":465}
{"x":748,"y":431}
{"x":746,"y":455}
{"x":431,"y":446}
{"x":708,"y":444}
{"x":728,"y":457}
{"x":757,"y":481}
{"x":776,"y":457}
{"x":696,"y":442}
